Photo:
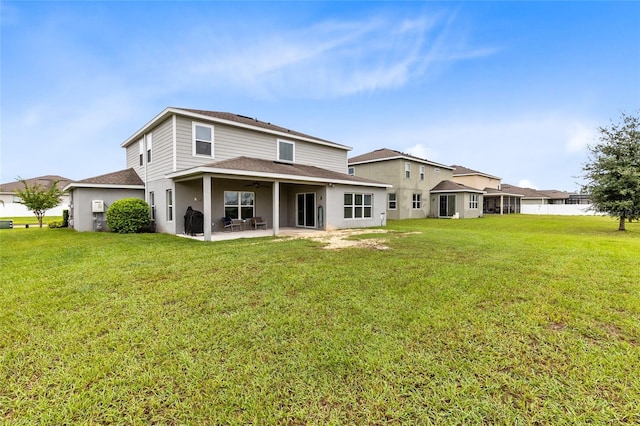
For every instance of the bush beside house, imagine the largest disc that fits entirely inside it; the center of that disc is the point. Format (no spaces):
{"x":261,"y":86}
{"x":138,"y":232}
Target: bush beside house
{"x":128,"y":215}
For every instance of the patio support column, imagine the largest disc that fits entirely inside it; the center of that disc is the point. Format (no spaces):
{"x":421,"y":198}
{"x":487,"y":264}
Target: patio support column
{"x":276,"y":208}
{"x":502,"y":204}
{"x":206,"y":201}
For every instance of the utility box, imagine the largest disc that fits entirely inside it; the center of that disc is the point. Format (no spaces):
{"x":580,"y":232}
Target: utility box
{"x":97,"y":206}
{"x":6,"y":224}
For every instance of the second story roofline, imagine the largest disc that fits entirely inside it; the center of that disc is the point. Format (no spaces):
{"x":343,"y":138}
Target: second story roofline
{"x":386,"y":154}
{"x":465,"y":171}
{"x":230,"y":119}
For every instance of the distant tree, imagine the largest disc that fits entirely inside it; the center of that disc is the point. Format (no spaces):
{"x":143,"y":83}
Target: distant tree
{"x":38,"y":198}
{"x":613,"y":171}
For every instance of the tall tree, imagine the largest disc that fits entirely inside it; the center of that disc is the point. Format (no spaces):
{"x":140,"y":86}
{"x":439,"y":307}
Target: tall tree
{"x":613,"y":170}
{"x":38,"y":198}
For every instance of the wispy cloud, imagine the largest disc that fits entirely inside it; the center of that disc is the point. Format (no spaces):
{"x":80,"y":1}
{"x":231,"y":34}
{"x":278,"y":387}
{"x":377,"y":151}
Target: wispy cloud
{"x":332,"y":58}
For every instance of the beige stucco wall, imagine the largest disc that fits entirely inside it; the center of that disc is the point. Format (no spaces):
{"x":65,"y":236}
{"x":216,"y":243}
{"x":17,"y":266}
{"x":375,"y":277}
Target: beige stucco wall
{"x":478,"y":182}
{"x":393,"y":172}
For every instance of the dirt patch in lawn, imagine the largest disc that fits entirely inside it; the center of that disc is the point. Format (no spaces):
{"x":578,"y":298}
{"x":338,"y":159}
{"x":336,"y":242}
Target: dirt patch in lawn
{"x":342,"y":238}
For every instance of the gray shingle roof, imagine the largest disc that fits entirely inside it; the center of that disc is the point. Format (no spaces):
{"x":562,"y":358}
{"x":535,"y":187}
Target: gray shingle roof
{"x":242,"y":119}
{"x":450,"y":186}
{"x":256,"y":165}
{"x":122,"y":177}
{"x":461,"y":170}
{"x":389,"y":154}
{"x":44,"y":181}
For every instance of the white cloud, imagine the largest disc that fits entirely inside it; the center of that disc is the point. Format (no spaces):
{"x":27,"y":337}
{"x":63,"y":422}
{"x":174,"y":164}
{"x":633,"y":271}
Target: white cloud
{"x":579,"y":137}
{"x":418,"y":150}
{"x":526,"y":183}
{"x":329,"y":59}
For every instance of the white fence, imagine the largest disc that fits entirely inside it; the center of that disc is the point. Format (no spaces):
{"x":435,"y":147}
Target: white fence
{"x":558,"y":209}
{"x":19,"y":210}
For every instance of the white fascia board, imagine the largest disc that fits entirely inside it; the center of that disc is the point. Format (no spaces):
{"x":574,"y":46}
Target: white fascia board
{"x":442,"y":191}
{"x":209,"y":118}
{"x":101,"y":185}
{"x":143,"y":129}
{"x":477,"y":174}
{"x":401,"y":157}
{"x":269,"y":176}
{"x":497,"y":194}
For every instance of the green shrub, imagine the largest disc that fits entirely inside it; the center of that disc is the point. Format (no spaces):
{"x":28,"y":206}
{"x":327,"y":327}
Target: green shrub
{"x":128,"y":215}
{"x":56,"y":224}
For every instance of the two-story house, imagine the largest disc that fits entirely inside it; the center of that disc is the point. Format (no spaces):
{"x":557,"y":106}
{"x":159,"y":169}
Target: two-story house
{"x":229,"y":165}
{"x":419,"y":187}
{"x":497,"y":199}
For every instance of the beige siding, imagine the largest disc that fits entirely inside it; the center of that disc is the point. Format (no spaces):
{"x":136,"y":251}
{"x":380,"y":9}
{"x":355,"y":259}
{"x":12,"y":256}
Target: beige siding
{"x":133,"y":159}
{"x":162,"y":151}
{"x":231,"y":142}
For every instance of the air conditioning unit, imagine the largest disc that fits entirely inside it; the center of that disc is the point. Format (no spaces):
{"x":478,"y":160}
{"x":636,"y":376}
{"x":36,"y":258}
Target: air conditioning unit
{"x":97,"y":206}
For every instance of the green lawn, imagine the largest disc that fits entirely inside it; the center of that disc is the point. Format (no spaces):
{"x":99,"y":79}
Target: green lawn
{"x":31,"y":220}
{"x":501,"y":320}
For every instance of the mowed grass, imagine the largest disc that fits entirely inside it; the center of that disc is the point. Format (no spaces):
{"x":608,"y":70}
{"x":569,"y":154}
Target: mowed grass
{"x":500,"y":320}
{"x":31,"y":220}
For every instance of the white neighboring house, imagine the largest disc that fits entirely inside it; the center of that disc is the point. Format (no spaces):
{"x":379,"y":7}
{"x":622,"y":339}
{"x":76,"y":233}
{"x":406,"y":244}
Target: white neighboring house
{"x":232,"y":167}
{"x":10,"y":206}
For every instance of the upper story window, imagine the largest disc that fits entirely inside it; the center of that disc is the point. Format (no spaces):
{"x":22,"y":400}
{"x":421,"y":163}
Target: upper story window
{"x":352,"y":171}
{"x":149,"y":147}
{"x":141,"y":156}
{"x":421,"y":172}
{"x":202,"y":140}
{"x":286,"y":151}
{"x":407,"y":170}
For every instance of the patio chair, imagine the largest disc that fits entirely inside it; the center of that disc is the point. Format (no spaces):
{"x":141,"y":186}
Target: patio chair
{"x":228,"y":223}
{"x":258,"y":222}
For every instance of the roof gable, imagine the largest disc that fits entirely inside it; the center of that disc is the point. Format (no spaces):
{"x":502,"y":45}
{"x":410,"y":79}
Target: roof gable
{"x":386,"y":154}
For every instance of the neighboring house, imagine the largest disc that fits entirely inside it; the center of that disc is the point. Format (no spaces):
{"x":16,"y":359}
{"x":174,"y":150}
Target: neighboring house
{"x":10,"y":206}
{"x":419,"y":187}
{"x":551,"y":201}
{"x":497,"y":199}
{"x":229,"y":165}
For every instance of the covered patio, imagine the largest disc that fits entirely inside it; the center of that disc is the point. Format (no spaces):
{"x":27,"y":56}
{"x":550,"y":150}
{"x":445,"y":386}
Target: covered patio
{"x":259,"y":233}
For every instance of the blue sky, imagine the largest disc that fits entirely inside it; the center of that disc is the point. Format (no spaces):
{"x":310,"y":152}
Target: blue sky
{"x":513,"y":89}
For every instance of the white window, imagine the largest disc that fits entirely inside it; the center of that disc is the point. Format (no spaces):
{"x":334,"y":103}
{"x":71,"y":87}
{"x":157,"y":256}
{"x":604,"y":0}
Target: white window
{"x":391,"y":201}
{"x":149,"y":147}
{"x":286,"y":151}
{"x":202,"y":140}
{"x":417,"y":201}
{"x":141,"y":156}
{"x":473,"y":201}
{"x":357,"y":206}
{"x":352,"y":171}
{"x":152,"y":203}
{"x":421,"y":172}
{"x":169,"y":205}
{"x":407,"y":170}
{"x":239,"y":205}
